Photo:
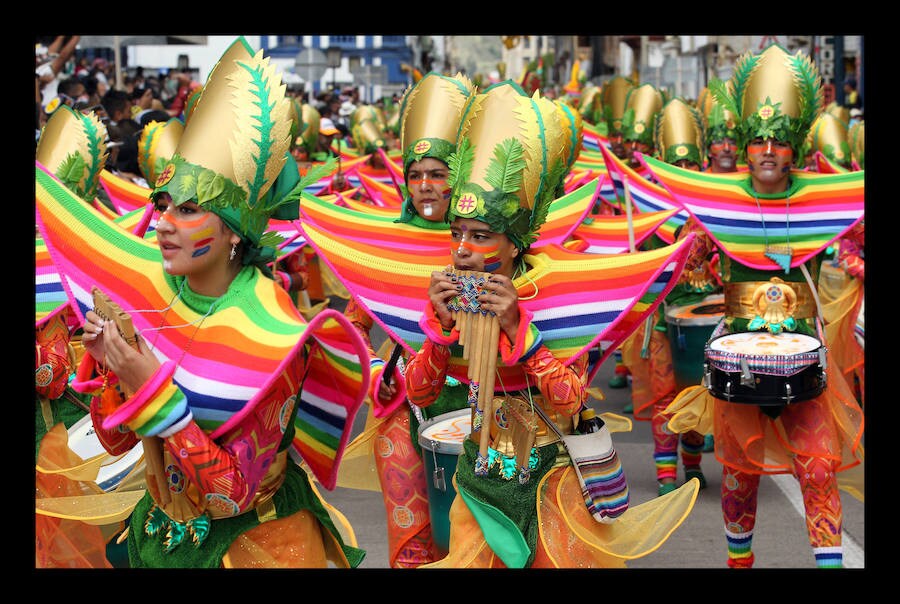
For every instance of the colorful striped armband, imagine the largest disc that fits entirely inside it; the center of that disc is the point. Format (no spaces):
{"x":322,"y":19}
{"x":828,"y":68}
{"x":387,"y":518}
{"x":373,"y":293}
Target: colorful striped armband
{"x":156,"y":405}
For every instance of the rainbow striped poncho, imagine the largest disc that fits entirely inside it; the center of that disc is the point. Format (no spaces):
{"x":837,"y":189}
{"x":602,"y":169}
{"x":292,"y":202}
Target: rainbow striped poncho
{"x":816,"y":210}
{"x":233,"y":362}
{"x":582,"y":300}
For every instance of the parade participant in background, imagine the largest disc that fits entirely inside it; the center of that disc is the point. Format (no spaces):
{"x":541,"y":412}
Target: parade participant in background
{"x":719,"y":134}
{"x":811,"y":430}
{"x":503,"y":477}
{"x":649,"y":354}
{"x":614,"y":94}
{"x":642,"y":104}
{"x":429,"y":119}
{"x":220,"y":370}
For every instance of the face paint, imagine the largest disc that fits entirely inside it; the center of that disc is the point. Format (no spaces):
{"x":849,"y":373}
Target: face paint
{"x":757,"y":148}
{"x":202,"y":235}
{"x":201,"y":241}
{"x":490,"y":253}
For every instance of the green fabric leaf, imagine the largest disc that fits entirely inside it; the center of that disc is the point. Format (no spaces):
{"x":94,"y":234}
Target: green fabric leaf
{"x":504,"y":171}
{"x":209,"y":186}
{"x":460,"y":164}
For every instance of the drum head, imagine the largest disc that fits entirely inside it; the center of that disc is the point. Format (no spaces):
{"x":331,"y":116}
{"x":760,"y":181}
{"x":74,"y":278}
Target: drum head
{"x":446,"y":433}
{"x":708,"y":311}
{"x":83,"y":441}
{"x":763,"y":343}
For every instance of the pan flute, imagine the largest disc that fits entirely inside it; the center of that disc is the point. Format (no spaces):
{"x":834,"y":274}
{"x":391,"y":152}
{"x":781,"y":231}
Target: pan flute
{"x":479,"y":335}
{"x":153,"y":453}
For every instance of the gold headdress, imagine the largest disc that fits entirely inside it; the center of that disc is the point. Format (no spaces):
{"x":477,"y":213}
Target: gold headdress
{"x":367,"y":129}
{"x":614,"y":93}
{"x":590,"y":105}
{"x":73,"y":147}
{"x":156,"y":146}
{"x":509,"y":162}
{"x":838,"y":111}
{"x":774,"y":95}
{"x":829,"y":136}
{"x":430,"y":111}
{"x":679,"y":133}
{"x":641,"y":108}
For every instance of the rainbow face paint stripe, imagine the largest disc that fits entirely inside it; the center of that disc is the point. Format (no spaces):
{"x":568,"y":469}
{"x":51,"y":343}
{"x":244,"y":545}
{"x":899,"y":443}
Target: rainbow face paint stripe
{"x":201,"y":238}
{"x":490,"y":252}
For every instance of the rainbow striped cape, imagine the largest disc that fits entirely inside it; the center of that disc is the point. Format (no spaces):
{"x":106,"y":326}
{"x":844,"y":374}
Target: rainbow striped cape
{"x":583,"y":300}
{"x":646,"y":195}
{"x":592,"y":138}
{"x":821,"y":208}
{"x":606,"y":234}
{"x":49,"y":294}
{"x":235,"y":360}
{"x":381,"y":193}
{"x":125,"y":195}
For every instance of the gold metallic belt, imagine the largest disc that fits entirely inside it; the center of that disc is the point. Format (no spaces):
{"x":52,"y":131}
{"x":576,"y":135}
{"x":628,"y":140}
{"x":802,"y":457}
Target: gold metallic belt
{"x":739,"y":299}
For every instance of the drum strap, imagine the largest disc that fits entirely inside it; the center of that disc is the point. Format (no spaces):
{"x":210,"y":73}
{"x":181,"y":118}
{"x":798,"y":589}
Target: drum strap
{"x":815,"y":294}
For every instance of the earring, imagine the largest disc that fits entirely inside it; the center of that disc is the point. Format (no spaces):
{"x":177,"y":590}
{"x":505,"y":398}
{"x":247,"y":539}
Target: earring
{"x":233,"y":252}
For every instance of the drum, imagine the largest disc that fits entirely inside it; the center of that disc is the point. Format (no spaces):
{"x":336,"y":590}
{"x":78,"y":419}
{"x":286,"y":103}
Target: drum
{"x":441,"y":439}
{"x":83,"y":441}
{"x":765,"y":369}
{"x":689,"y":328}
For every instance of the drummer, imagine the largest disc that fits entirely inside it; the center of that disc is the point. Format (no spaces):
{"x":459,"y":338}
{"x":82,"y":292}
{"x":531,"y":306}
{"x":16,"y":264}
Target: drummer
{"x":778,"y":97}
{"x":678,"y":139}
{"x":494,"y":517}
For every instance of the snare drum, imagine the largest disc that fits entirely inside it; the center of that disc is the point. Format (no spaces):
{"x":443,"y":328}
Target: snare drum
{"x":689,"y":328}
{"x":83,"y":441}
{"x":765,"y":369}
{"x":441,"y":439}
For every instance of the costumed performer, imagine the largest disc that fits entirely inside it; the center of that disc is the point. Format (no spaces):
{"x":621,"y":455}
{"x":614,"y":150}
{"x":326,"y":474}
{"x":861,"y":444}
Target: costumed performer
{"x":519,"y":502}
{"x":221,"y":371}
{"x":769,"y":225}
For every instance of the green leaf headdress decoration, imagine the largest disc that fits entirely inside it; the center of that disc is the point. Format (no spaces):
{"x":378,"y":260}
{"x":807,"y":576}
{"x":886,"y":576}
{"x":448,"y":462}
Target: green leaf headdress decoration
{"x":719,"y":123}
{"x":679,"y":133}
{"x":156,"y":146}
{"x":614,"y":93}
{"x":231,"y":158}
{"x":642,"y":105}
{"x":509,"y":163}
{"x":430,"y":114}
{"x":73,"y":146}
{"x":774,"y":95}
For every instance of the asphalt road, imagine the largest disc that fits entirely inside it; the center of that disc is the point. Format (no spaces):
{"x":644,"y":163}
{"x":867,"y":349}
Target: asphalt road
{"x":780,"y":539}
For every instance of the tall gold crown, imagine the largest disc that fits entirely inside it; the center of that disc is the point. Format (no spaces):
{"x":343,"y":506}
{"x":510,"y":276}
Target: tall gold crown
{"x":679,"y":133}
{"x":614,"y":94}
{"x":510,"y":161}
{"x":156,"y":146}
{"x":829,"y":137}
{"x":430,"y":112}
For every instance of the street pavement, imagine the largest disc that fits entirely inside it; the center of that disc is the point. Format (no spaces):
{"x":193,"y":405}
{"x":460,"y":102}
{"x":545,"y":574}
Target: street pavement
{"x":780,"y":540}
